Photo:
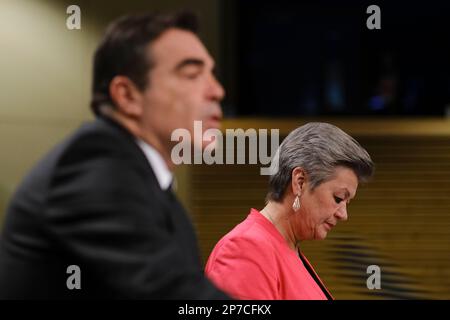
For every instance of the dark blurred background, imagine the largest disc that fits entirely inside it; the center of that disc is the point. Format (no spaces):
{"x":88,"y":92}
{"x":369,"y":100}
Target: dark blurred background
{"x":316,"y":58}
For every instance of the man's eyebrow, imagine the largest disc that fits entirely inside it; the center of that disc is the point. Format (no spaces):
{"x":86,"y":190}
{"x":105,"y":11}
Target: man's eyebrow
{"x":189,"y":61}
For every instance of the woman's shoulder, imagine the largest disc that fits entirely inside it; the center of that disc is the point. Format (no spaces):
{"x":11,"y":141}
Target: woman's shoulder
{"x":243,"y":260}
{"x":248,"y":236}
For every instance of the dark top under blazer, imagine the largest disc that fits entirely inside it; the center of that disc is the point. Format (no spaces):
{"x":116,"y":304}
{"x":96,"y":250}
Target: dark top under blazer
{"x":95,"y":202}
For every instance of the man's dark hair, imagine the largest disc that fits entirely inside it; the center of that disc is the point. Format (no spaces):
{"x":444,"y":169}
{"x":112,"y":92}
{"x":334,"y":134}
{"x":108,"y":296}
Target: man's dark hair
{"x":122,"y":50}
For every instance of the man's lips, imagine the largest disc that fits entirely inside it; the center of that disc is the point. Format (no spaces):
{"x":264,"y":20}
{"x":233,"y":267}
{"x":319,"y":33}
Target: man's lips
{"x":214,"y":122}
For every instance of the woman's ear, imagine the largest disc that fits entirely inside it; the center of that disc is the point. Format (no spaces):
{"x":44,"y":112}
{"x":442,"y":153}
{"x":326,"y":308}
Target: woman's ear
{"x":126,"y":96}
{"x":298,"y":180}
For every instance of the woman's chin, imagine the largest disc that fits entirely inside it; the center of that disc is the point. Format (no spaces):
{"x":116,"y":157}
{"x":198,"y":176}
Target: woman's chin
{"x":321,"y":235}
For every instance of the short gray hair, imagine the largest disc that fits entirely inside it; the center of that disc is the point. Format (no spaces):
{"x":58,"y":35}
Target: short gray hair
{"x":318,"y":148}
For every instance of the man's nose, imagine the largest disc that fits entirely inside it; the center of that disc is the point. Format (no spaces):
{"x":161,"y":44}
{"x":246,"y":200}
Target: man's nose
{"x":215,"y":90}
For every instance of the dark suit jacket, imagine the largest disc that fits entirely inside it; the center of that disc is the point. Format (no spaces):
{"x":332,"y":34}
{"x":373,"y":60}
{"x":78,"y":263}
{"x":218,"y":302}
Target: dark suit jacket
{"x":94,"y":202}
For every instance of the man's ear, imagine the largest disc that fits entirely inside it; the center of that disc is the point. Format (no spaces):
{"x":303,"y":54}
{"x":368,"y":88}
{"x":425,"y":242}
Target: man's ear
{"x":126,"y":96}
{"x":298,"y":180}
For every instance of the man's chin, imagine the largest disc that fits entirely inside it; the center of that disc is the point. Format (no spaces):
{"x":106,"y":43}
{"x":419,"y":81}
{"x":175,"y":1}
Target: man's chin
{"x":210,"y":139}
{"x":213,"y":124}
{"x":211,"y":145}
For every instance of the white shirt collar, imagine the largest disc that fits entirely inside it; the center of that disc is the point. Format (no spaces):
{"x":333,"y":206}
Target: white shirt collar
{"x":162,"y":172}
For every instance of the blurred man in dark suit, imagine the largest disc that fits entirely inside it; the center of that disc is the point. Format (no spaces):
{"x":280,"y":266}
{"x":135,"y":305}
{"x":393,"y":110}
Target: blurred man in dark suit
{"x":101,"y":200}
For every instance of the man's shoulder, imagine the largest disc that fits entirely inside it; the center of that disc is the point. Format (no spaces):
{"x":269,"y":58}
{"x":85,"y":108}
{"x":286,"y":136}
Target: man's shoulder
{"x":103,"y":147}
{"x":98,"y":150}
{"x":95,"y":136}
{"x":101,"y":134}
{"x":97,"y":141}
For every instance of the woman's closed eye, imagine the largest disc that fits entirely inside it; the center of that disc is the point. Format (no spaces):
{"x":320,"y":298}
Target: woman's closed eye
{"x":338,"y":200}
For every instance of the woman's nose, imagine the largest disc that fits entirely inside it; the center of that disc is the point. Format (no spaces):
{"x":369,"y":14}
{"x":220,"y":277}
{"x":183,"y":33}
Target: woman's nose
{"x":341,"y":214}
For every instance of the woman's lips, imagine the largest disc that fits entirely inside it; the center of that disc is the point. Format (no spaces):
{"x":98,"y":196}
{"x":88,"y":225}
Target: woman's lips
{"x":329,"y":225}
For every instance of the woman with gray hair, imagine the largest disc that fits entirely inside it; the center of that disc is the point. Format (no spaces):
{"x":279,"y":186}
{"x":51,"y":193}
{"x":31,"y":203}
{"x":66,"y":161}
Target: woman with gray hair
{"x":316,"y":172}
